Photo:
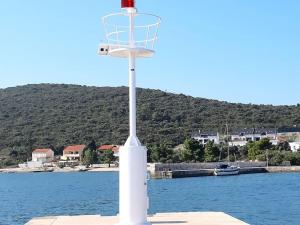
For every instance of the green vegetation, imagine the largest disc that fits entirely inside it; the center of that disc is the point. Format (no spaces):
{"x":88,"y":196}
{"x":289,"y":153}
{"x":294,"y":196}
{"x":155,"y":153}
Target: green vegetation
{"x":211,"y":152}
{"x":90,"y":157}
{"x":263,"y":150}
{"x":53,"y":115}
{"x":160,"y":153}
{"x":255,"y":149}
{"x":93,"y":156}
{"x":191,"y":151}
{"x":108,"y":157}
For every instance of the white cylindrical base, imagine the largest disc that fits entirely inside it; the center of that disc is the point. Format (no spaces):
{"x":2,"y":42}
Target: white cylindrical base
{"x":133,"y":197}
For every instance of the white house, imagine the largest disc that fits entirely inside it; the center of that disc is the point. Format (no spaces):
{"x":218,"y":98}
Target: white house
{"x":42,"y":155}
{"x":243,"y":136}
{"x":73,"y":152}
{"x":295,"y":146}
{"x":39,"y":157}
{"x":203,"y":138}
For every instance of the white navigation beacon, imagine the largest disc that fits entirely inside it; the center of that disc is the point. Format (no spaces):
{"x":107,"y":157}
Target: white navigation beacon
{"x":131,"y":35}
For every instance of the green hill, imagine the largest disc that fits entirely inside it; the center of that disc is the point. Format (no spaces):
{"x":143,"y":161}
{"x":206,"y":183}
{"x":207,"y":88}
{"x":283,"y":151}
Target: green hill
{"x":55,"y":115}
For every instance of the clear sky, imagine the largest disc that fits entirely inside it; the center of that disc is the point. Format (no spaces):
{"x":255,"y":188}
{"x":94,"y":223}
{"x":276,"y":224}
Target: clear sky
{"x":232,"y":50}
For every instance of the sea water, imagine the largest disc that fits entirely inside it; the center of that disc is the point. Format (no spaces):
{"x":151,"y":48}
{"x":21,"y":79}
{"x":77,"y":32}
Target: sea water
{"x":258,"y":199}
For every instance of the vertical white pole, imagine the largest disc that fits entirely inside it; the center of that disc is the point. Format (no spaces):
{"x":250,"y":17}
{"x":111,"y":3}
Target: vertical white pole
{"x":133,"y":156}
{"x":132,"y":95}
{"x":132,"y":82}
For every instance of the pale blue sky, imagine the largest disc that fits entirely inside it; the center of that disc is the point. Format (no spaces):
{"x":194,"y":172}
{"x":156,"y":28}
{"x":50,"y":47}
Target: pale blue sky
{"x":232,"y":50}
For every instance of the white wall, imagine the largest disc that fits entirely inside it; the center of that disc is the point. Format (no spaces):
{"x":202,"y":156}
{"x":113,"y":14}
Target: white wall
{"x":42,"y":156}
{"x":295,"y":146}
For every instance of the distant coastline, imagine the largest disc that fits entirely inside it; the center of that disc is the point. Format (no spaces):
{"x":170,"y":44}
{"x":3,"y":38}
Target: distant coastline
{"x":57,"y":170}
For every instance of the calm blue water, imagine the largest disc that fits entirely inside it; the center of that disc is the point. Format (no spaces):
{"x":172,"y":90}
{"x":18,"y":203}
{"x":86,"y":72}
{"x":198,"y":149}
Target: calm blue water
{"x":259,"y":199}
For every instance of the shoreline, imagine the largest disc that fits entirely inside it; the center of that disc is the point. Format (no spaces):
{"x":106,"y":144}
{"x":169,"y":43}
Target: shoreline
{"x":166,"y":174}
{"x":57,"y":170}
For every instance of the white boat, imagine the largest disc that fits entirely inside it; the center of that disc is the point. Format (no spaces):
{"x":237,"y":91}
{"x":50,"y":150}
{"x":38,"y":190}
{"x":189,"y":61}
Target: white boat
{"x":226,"y":170}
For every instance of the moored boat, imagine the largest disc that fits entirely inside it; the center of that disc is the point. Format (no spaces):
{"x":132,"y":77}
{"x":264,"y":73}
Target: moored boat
{"x":225,"y":170}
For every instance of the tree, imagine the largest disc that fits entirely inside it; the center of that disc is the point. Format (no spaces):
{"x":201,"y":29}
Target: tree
{"x":258,"y":148}
{"x":92,"y":145}
{"x":186,"y":153}
{"x":108,"y":157}
{"x":253,"y":150}
{"x":234,"y":153}
{"x":57,"y":150}
{"x":293,"y":157}
{"x":19,"y":154}
{"x":262,"y":157}
{"x":154,"y":151}
{"x":90,"y":157}
{"x":243,"y":152}
{"x":211,"y":152}
{"x":161,"y":153}
{"x":264,"y":144}
{"x":14,"y":154}
{"x":192,"y":151}
{"x":276,"y":158}
{"x":284,"y":146}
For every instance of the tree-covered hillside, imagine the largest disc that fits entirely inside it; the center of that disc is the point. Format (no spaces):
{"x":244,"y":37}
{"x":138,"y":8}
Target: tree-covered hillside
{"x":55,"y":115}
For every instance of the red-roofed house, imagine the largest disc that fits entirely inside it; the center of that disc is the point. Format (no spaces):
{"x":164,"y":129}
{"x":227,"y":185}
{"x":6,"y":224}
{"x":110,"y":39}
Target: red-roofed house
{"x":114,"y":148}
{"x":42,"y":155}
{"x":73,"y":152}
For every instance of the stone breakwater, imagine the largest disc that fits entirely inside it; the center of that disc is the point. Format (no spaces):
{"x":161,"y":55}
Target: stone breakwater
{"x":181,"y":170}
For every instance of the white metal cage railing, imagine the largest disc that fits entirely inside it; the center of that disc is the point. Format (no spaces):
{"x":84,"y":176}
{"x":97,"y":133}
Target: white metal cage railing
{"x":145,"y":30}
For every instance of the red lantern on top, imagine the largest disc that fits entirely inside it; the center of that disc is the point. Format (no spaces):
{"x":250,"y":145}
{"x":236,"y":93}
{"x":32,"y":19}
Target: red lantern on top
{"x":127,"y":4}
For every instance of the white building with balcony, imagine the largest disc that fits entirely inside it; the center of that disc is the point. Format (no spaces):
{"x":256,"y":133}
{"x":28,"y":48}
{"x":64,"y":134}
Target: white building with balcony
{"x":73,"y":152}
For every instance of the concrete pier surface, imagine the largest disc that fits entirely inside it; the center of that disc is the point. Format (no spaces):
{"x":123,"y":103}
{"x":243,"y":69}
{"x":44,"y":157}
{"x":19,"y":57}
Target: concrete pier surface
{"x":184,"y":218}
